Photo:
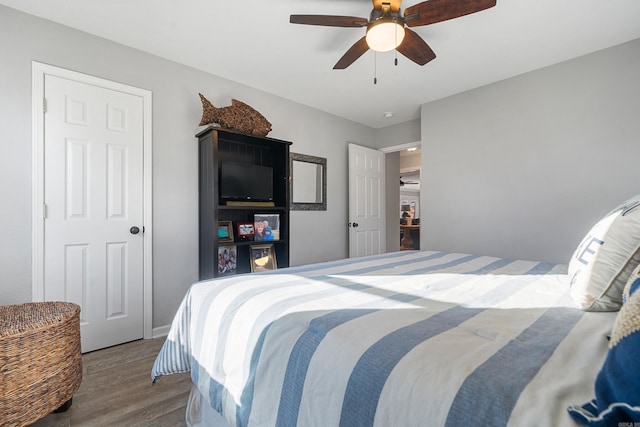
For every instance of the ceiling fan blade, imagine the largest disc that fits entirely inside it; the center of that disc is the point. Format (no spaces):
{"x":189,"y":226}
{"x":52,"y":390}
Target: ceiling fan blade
{"x":394,"y":5}
{"x":354,"y":52}
{"x":328,"y":20}
{"x":414,"y":48}
{"x":432,"y":11}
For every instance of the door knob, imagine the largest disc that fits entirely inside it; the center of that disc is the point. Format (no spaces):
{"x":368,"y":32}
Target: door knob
{"x":134,"y":230}
{"x":355,"y":224}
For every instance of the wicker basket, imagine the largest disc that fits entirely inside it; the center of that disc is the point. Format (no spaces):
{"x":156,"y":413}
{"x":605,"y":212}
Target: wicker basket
{"x":40,"y":359}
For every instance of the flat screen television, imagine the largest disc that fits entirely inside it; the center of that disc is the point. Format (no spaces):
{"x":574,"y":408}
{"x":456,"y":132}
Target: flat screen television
{"x":244,"y":181}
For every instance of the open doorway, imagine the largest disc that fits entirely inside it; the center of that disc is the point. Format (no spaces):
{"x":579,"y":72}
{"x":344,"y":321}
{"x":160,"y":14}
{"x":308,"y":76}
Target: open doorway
{"x":409,"y":203}
{"x":403,"y":178}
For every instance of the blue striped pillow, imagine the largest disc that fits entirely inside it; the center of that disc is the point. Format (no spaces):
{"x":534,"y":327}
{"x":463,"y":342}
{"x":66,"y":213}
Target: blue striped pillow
{"x":618,"y":383}
{"x":632,"y":285}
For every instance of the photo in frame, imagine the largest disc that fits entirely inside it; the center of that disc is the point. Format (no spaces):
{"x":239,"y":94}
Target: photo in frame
{"x":227,"y":260}
{"x":263,"y":258}
{"x":245,"y":230}
{"x":225,"y":231}
{"x":266,"y":227}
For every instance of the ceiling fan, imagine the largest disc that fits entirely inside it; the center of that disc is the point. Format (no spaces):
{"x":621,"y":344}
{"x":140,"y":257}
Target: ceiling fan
{"x":403,"y":183}
{"x":386,"y":26}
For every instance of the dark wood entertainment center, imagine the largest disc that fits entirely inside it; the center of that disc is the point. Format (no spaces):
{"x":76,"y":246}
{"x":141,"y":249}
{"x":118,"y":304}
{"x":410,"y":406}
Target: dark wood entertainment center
{"x":217,"y":146}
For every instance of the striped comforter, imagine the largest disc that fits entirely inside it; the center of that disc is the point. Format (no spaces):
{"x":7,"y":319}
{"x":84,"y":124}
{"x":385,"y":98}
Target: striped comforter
{"x":402,"y":339}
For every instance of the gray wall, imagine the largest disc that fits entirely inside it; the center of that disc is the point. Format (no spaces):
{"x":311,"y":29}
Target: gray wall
{"x":522,"y":168}
{"x":316,"y":236}
{"x":401,"y":133}
{"x":535,"y":161}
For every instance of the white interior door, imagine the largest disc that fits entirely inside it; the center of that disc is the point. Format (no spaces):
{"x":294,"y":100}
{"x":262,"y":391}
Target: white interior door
{"x":366,"y":201}
{"x":93,"y":196}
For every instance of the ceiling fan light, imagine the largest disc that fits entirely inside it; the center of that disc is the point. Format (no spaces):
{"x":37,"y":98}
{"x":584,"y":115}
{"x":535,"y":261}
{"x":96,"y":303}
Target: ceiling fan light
{"x":385,"y":36}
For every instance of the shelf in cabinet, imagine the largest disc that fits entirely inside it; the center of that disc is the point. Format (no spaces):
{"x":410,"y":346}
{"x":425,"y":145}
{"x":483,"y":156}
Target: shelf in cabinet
{"x":252,"y":208}
{"x":252,"y":242}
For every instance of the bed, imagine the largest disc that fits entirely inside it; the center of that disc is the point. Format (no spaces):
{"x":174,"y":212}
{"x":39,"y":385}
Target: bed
{"x":411,"y":338}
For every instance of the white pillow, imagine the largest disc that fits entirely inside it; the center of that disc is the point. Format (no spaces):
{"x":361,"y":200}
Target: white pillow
{"x":604,"y":260}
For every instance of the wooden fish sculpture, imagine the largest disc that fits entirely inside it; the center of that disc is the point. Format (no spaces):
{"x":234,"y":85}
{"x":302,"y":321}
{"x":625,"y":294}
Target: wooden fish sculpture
{"x":238,"y":116}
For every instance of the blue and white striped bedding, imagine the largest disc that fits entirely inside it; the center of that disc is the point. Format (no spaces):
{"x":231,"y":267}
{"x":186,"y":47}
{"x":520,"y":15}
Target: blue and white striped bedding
{"x":404,"y":339}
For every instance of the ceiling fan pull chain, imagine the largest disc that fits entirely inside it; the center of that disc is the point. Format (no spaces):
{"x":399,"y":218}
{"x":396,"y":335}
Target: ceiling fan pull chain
{"x":396,"y":50}
{"x":375,"y":67}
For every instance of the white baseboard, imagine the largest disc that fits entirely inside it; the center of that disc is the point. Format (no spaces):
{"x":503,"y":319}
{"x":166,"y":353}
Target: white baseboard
{"x":161,"y":331}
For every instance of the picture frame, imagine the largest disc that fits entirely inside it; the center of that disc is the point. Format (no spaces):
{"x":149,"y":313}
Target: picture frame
{"x":225,"y":231}
{"x":227,"y":259}
{"x":262,"y":258}
{"x":245,"y":230}
{"x":266,"y":227}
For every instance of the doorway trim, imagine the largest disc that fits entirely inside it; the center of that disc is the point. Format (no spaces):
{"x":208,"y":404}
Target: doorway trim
{"x":400,"y":147}
{"x":38,"y":105}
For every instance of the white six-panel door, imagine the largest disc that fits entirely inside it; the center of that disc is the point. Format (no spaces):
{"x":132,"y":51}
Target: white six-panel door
{"x":366,"y":201}
{"x":93,"y":196}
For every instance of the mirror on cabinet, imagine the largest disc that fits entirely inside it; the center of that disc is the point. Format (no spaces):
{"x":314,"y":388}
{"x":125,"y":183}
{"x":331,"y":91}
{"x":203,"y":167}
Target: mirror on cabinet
{"x":308,"y":182}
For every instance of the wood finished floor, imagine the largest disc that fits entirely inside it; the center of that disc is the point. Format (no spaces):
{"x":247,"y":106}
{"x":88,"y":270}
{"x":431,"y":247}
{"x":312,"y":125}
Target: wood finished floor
{"x":116,"y":390}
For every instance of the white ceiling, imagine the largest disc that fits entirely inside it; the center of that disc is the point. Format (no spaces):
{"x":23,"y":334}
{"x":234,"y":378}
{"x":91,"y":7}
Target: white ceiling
{"x":252,"y":42}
